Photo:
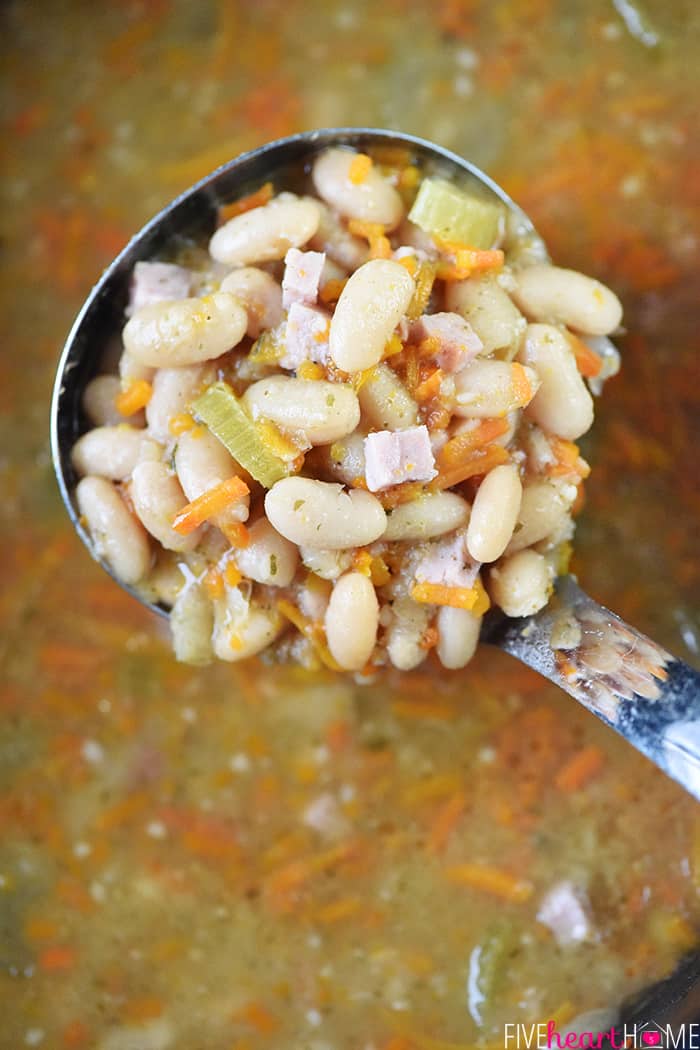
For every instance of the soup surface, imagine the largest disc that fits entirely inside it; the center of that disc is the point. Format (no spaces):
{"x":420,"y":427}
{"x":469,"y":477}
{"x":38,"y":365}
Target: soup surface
{"x":253,"y":856}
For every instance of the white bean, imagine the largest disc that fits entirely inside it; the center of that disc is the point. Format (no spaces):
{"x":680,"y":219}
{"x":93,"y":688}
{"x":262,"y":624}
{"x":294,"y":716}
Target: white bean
{"x":370,"y":306}
{"x":487,"y":388}
{"x":165,"y":580}
{"x":318,"y":514}
{"x":386,"y":402}
{"x":269,"y":558}
{"x":494,"y":513}
{"x":98,"y":401}
{"x":173,"y":391}
{"x":238,"y":635}
{"x":458,"y":636}
{"x":108,"y":452}
{"x":261,"y":295}
{"x":130,"y":369}
{"x":491,"y":313}
{"x":266,"y":233}
{"x":543,"y":510}
{"x":352,"y":619}
{"x":191,"y":625}
{"x":563,"y":404}
{"x":430,"y":515}
{"x":332,"y":238}
{"x":201,"y":462}
{"x":328,"y":564}
{"x":157,"y":498}
{"x":549,"y":293}
{"x":409,"y":622}
{"x":322,"y":411}
{"x":117,"y":536}
{"x":343,"y":460}
{"x":373,"y":199}
{"x":185,"y":332}
{"x":521,"y":584}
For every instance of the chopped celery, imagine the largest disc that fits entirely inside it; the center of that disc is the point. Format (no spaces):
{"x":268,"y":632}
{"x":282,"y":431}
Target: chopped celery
{"x":224,"y":415}
{"x":454,"y":215}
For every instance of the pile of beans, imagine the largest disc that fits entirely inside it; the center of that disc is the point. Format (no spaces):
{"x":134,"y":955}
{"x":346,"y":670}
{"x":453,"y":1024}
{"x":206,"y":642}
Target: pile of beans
{"x":422,"y":398}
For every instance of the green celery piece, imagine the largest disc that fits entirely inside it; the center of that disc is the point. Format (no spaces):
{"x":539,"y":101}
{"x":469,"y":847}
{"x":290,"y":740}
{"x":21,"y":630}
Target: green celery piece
{"x":452,"y":214}
{"x":221,"y":411}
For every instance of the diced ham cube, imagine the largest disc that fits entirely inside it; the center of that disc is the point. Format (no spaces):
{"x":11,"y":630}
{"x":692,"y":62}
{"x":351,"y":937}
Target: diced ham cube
{"x":448,"y":563}
{"x":157,"y":282}
{"x":302,"y":274}
{"x":393,"y":456}
{"x":563,"y":909}
{"x":457,"y":341}
{"x":306,"y":336}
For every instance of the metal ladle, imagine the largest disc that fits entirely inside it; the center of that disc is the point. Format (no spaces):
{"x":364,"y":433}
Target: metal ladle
{"x":631,"y":683}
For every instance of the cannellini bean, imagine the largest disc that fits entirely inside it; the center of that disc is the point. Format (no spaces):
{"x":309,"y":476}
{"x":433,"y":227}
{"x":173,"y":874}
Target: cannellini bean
{"x":430,"y":515}
{"x":116,"y":535}
{"x":108,"y":452}
{"x":313,"y":596}
{"x":240,"y":634}
{"x":328,"y":564}
{"x":166,"y":579}
{"x":340,"y":246}
{"x":261,"y":295}
{"x":266,"y":233}
{"x":409,"y":622}
{"x":370,"y":306}
{"x":343,"y":460}
{"x":191,"y":625}
{"x":521,"y":583}
{"x":185,"y":332}
{"x":543,"y":510}
{"x":269,"y":558}
{"x":323,"y":411}
{"x":549,"y":293}
{"x":487,"y":388}
{"x":563,"y":404}
{"x":373,"y":199}
{"x":494,"y":513}
{"x":201,"y":462}
{"x":385,"y":402}
{"x":318,"y":514}
{"x":491,"y":313}
{"x":352,"y":619}
{"x":157,"y":498}
{"x":130,"y":369}
{"x":173,"y":391}
{"x":98,"y":401}
{"x":458,"y":636}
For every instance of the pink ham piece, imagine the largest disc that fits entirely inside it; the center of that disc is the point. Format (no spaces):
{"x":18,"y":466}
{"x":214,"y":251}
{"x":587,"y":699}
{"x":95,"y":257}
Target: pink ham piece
{"x":457,"y":341}
{"x":302,"y":274}
{"x":393,"y":456}
{"x":305,"y":336}
{"x":563,"y":910}
{"x":157,"y":282}
{"x":448,"y":563}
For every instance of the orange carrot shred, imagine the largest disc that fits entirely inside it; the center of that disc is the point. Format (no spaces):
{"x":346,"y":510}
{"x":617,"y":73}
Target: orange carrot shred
{"x":588,"y":362}
{"x":521,"y":385}
{"x":237,"y":534}
{"x":479,"y":461}
{"x":134,"y":398}
{"x":252,"y":200}
{"x":360,"y":167}
{"x":258,"y":1017}
{"x":210,"y":503}
{"x":58,"y":958}
{"x":430,"y":387}
{"x":473,"y":598}
{"x":580,"y":769}
{"x":445,"y":822}
{"x":490,"y":880}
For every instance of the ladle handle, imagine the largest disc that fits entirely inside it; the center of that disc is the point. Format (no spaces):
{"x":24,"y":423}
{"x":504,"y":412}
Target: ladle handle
{"x":626,"y":679}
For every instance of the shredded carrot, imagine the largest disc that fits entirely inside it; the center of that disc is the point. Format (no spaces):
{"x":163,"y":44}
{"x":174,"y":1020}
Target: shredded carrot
{"x":258,"y":1017}
{"x":330,"y":292}
{"x":468,"y":261}
{"x":313,"y":631}
{"x":135,"y":397}
{"x":425,"y":279}
{"x":429,"y":387}
{"x":214,"y":583}
{"x":480,"y":461}
{"x":374,"y":234}
{"x":144,"y":1009}
{"x":588,"y":362}
{"x":58,"y":958}
{"x":491,"y":880}
{"x":580,"y":769}
{"x":445,"y":822}
{"x":237,"y":534}
{"x":568,"y":460}
{"x":521,"y":385}
{"x":473,"y":598}
{"x":38,"y":929}
{"x":310,"y":370}
{"x":379,"y":571}
{"x":453,"y":451}
{"x":360,"y":167}
{"x":75,"y":1035}
{"x":336,"y":911}
{"x":410,"y":263}
{"x":362,"y":562}
{"x":180,"y":423}
{"x":338,"y":735}
{"x":209,"y":504}
{"x":392,"y":346}
{"x":408,"y":177}
{"x":232,"y":574}
{"x":277,"y":442}
{"x":252,"y":200}
{"x":429,"y":639}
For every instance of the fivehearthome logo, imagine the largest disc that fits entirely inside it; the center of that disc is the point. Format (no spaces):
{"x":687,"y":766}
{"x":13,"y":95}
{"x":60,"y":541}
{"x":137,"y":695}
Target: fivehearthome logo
{"x":644,"y":1036}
